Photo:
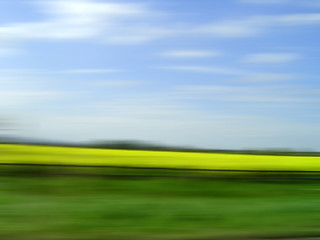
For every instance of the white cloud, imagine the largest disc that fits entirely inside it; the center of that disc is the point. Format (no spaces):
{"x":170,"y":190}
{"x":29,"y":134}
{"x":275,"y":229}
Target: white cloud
{"x":114,"y":83}
{"x":270,"y":58}
{"x":132,"y":23}
{"x":206,"y":69}
{"x":228,"y":29}
{"x":23,"y":98}
{"x":289,"y":19}
{"x":22,"y":73}
{"x":136,"y":34}
{"x":90,"y":71}
{"x":141,"y":107}
{"x":21,"y":91}
{"x":191,"y":54}
{"x":268,"y":77}
{"x":266,"y":1}
{"x":306,"y":3}
{"x":5,"y":52}
{"x":258,"y":94}
{"x":255,"y":25}
{"x":84,"y":19}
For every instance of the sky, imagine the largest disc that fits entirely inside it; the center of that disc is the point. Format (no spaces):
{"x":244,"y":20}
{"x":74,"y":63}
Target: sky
{"x":232,"y":74}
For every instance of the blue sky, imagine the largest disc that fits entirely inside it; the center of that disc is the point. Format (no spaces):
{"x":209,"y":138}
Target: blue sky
{"x":235,"y":74}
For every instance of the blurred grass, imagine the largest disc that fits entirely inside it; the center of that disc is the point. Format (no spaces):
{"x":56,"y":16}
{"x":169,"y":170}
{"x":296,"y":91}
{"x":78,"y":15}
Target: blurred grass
{"x":93,"y":208}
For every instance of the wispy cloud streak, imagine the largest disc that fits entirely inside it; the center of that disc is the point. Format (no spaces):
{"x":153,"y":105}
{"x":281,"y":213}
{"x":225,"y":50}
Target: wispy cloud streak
{"x":271,"y":58}
{"x":190,"y":54}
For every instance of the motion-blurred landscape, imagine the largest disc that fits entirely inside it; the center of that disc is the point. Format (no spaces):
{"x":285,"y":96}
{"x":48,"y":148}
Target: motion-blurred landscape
{"x":159,"y":120}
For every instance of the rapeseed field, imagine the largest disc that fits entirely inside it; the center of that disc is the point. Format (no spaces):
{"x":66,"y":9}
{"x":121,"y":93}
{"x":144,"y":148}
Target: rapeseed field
{"x":11,"y":153}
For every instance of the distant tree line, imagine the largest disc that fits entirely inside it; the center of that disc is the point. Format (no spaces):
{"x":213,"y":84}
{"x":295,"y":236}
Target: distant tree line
{"x":147,"y":146}
{"x":141,"y":145}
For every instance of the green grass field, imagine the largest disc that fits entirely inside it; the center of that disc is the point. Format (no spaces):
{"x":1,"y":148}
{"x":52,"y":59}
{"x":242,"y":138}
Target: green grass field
{"x":92,"y":208}
{"x":42,"y":206}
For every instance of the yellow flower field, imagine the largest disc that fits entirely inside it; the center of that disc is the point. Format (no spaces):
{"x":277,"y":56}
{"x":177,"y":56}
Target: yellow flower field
{"x":86,"y":156}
